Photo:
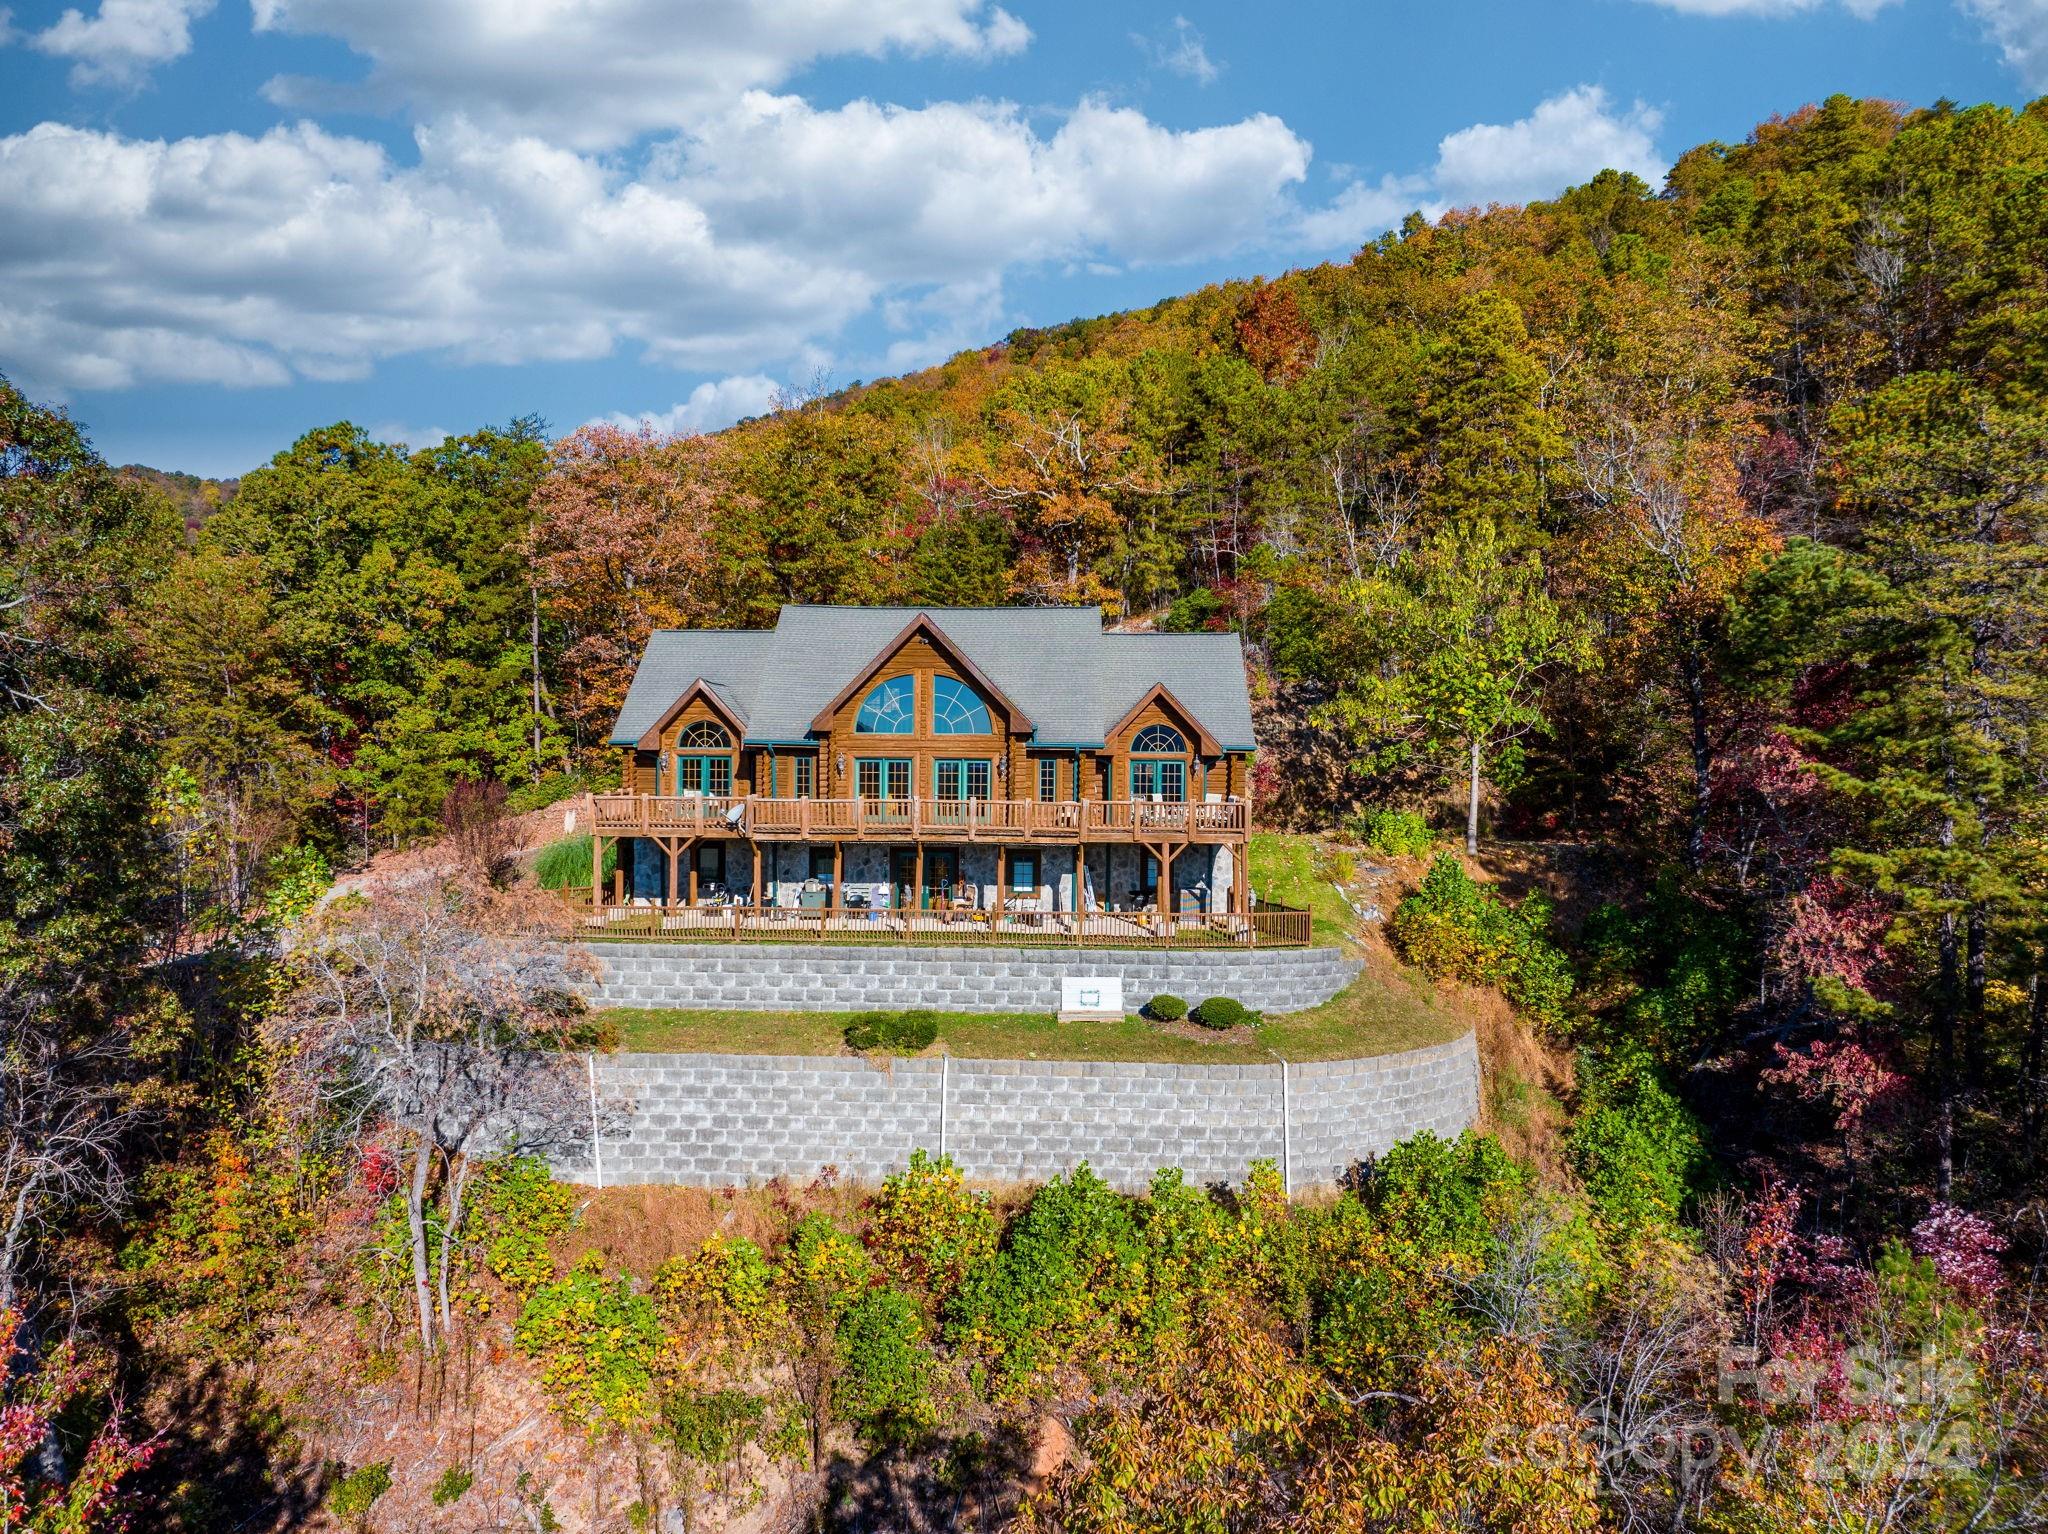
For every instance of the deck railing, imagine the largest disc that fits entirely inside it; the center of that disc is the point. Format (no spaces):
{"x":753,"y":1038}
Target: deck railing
{"x":1267,"y":927}
{"x":921,"y":819}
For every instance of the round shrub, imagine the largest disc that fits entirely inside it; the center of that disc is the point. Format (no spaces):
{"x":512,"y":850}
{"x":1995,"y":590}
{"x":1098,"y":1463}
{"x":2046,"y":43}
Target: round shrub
{"x":1396,"y":833}
{"x":901,"y":1032}
{"x":1166,"y":1008}
{"x":913,"y":1031}
{"x":865,"y":1031}
{"x":1223,"y":1012}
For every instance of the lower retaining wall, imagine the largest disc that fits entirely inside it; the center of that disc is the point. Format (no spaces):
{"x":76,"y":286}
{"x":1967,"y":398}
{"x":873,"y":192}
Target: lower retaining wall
{"x":734,"y":1120}
{"x":784,"y":977}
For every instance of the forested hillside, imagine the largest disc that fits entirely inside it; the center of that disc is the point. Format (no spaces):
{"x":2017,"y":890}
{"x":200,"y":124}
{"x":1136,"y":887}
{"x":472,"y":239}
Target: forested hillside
{"x":1701,"y":529}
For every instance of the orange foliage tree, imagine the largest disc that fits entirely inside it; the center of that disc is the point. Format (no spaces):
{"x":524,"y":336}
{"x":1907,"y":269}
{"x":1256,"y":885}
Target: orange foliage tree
{"x":621,"y":545}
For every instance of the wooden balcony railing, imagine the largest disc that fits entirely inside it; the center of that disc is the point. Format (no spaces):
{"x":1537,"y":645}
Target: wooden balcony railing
{"x":1267,"y":927}
{"x":1122,"y":820}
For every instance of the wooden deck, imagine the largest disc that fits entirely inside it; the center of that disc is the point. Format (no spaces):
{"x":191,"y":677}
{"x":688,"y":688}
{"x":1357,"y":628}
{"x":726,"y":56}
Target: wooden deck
{"x":1021,"y":821}
{"x":1268,"y":927}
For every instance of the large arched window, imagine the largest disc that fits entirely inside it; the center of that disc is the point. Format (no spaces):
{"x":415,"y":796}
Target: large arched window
{"x":889,"y":709}
{"x":1159,"y":768}
{"x":1159,"y":740}
{"x":957,"y":709}
{"x":705,"y":735}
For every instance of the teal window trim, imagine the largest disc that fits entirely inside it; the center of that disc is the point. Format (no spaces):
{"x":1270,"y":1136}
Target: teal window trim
{"x":1157,"y":767}
{"x":803,"y":773}
{"x":957,"y":709}
{"x":701,"y":772}
{"x":1020,"y":862}
{"x":964,"y":777}
{"x":890,"y":708}
{"x":1048,"y":779}
{"x":884,"y":767}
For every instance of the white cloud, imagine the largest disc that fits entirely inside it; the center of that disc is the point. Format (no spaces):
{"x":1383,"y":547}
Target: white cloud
{"x":596,"y":73}
{"x":2020,"y":28}
{"x":1566,"y":139}
{"x":1364,"y":209}
{"x":246,"y":261}
{"x":414,"y":437}
{"x":123,"y":41}
{"x":1183,"y":53}
{"x":710,"y":406}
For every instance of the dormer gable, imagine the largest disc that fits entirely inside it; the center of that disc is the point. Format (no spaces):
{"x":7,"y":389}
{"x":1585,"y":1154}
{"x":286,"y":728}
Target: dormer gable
{"x":922,"y":627}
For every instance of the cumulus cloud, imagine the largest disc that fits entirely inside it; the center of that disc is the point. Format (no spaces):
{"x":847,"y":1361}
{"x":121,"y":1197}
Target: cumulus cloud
{"x":2020,"y":28}
{"x":243,"y":261}
{"x":1182,"y":52}
{"x":596,"y":73}
{"x":122,"y":41}
{"x":710,"y":406}
{"x":1566,"y":139}
{"x":1569,"y":138}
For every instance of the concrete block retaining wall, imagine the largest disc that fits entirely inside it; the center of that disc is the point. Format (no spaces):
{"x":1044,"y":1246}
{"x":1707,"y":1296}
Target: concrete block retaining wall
{"x":770,"y":977}
{"x":732,"y":1120}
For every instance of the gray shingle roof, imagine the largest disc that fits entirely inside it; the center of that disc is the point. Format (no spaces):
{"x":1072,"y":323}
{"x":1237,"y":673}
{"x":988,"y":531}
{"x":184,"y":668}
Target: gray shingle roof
{"x":1055,"y":663}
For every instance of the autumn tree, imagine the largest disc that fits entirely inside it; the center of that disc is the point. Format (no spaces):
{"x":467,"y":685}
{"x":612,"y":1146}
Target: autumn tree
{"x":621,"y":545}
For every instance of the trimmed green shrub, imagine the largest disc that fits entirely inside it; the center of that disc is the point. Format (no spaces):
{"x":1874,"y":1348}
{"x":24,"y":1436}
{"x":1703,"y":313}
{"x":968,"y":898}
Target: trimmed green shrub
{"x":903,"y":1033}
{"x":551,"y":789}
{"x":1223,"y":1012}
{"x":1396,"y":833}
{"x":1454,"y":927}
{"x":565,"y":864}
{"x":1166,"y":1008}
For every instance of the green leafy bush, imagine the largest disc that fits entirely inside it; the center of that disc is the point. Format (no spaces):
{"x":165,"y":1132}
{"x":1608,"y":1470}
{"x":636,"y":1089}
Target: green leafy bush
{"x":1068,"y":1288}
{"x":519,"y":1210}
{"x":1454,"y":927}
{"x":1166,"y":1008}
{"x":903,"y":1033}
{"x":1396,"y":833}
{"x":551,"y":789}
{"x":884,"y":1385}
{"x":352,"y":1496}
{"x":1638,"y":1149}
{"x":565,"y":864}
{"x":929,"y":1229}
{"x":597,"y":1343}
{"x":1223,"y":1012}
{"x":453,"y":1483}
{"x":1194,"y":611}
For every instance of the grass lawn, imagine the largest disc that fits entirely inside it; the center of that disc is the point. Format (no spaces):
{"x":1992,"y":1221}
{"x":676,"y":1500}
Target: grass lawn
{"x":1284,"y":870}
{"x":1373,"y":1017}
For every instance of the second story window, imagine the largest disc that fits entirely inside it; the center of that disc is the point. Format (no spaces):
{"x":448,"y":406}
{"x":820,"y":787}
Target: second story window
{"x":957,"y":709}
{"x":890,"y":708}
{"x":1048,"y":779}
{"x":1159,"y":768}
{"x":703,"y":759}
{"x":803,"y":768}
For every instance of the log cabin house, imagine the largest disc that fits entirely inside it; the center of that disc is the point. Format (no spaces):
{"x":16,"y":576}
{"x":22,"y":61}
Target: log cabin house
{"x":1016,"y":767}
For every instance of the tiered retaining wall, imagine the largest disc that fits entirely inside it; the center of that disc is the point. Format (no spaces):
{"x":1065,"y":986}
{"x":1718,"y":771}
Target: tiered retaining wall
{"x":823,"y":978}
{"x":733,"y":1120}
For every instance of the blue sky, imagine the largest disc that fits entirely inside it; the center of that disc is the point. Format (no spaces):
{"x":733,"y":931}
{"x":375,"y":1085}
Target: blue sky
{"x":225,"y":221}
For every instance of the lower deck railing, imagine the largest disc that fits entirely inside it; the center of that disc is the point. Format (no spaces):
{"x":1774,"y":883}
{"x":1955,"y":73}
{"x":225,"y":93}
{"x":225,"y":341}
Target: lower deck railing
{"x":1267,"y":927}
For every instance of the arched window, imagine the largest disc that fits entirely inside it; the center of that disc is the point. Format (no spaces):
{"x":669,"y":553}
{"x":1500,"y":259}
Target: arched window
{"x":890,"y":709}
{"x":1159,"y":740}
{"x":957,"y":709}
{"x":1158,"y":767}
{"x":705,"y":734}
